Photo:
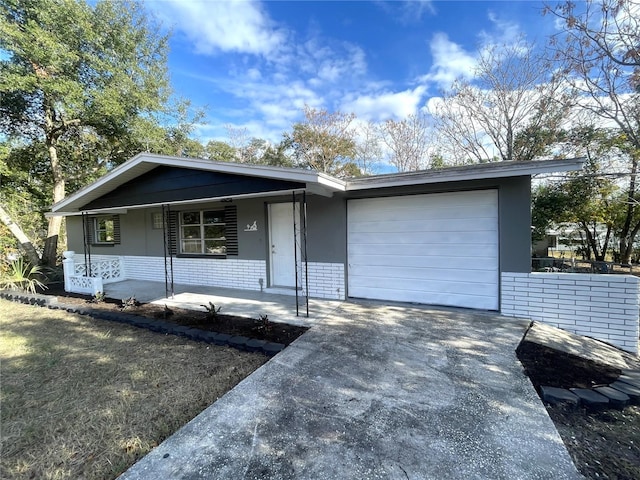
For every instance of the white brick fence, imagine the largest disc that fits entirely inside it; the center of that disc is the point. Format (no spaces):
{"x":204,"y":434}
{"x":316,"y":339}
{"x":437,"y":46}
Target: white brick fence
{"x":605,"y":307}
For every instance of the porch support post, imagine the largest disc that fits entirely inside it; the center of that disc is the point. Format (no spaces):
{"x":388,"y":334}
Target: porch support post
{"x":168,"y":242}
{"x":304,"y":246}
{"x":295,"y":249}
{"x":87,"y":244}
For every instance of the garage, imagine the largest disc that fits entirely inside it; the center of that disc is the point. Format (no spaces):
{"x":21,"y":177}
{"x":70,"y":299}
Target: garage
{"x":438,"y":248}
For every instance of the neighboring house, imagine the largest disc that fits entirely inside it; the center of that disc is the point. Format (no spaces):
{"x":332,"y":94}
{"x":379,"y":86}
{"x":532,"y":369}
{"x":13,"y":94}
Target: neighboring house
{"x":441,"y":237}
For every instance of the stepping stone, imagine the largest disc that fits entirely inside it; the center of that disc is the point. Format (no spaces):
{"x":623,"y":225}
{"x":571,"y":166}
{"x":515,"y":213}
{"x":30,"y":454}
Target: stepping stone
{"x":272,"y":349}
{"x":630,"y":390}
{"x":255,"y":345}
{"x":180,"y":330}
{"x":195,"y":334}
{"x":630,"y":380}
{"x":238,"y":342}
{"x":590,"y":399}
{"x":555,"y":395}
{"x":635,"y":374}
{"x":220,"y":338}
{"x":617,"y":399}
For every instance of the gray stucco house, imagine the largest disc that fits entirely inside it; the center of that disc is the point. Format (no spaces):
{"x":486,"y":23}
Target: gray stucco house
{"x":443,"y":237}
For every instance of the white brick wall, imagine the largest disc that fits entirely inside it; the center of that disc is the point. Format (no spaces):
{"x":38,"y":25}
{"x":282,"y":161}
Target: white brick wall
{"x":605,"y":307}
{"x":326,"y":280}
{"x":216,"y":272}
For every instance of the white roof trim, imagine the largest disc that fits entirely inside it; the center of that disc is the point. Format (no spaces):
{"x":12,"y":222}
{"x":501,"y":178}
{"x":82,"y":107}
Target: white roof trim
{"x":467,"y":172}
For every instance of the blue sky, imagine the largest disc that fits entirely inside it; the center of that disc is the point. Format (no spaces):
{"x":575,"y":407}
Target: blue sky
{"x":254,"y":65}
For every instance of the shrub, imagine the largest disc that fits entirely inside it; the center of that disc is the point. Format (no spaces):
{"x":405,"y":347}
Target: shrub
{"x":20,"y":275}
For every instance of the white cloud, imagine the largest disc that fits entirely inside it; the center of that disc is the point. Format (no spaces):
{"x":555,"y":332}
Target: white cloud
{"x":230,"y":26}
{"x":450,"y":61}
{"x":386,"y":105}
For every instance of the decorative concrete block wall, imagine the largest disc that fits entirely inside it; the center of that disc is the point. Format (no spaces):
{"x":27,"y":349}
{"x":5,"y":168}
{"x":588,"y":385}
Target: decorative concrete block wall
{"x":605,"y":307}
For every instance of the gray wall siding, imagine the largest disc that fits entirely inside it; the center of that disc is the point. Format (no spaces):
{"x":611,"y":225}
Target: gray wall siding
{"x":327,"y":224}
{"x":326,"y":230}
{"x":515,"y":225}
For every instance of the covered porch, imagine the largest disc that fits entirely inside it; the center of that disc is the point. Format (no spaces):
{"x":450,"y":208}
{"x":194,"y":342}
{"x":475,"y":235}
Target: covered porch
{"x":244,"y":303}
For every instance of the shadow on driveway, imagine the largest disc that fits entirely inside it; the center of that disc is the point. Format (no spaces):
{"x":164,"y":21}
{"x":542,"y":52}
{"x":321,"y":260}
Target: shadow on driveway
{"x":377,"y":391}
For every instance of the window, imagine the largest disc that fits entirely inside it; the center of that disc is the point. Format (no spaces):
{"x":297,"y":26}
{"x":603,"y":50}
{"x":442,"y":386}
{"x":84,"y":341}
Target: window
{"x":203,"y":233}
{"x":156,"y":221}
{"x":105,"y":230}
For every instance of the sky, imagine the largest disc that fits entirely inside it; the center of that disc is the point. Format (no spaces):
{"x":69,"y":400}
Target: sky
{"x":254,"y":65}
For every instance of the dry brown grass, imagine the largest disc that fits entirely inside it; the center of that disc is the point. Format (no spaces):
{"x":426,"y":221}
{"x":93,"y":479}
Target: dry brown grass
{"x":85,"y":398}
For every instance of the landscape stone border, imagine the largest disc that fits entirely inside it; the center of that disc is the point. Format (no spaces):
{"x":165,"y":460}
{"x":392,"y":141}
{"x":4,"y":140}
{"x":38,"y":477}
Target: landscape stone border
{"x":618,"y":394}
{"x":159,"y":326}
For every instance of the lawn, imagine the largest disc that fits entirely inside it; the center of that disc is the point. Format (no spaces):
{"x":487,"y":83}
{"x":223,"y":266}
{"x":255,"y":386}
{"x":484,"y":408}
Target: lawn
{"x":86,"y":398}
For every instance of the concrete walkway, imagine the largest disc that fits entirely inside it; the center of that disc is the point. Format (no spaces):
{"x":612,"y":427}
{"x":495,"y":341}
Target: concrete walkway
{"x":377,"y":392}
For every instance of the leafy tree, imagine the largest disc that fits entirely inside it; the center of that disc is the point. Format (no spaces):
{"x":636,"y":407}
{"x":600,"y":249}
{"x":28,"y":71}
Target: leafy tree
{"x":70,"y":70}
{"x":510,"y":97}
{"x":219,"y":151}
{"x":599,"y":53}
{"x":591,"y":198}
{"x":408,"y":141}
{"x":325,"y":142}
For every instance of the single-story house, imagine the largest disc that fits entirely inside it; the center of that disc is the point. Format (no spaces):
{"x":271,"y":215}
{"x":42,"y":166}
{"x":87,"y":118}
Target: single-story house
{"x":441,"y":237}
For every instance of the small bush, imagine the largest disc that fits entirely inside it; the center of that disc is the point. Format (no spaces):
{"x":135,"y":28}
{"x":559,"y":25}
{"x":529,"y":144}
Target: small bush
{"x":263,"y":324}
{"x":212,"y":312}
{"x":99,"y":297}
{"x":20,"y":275}
{"x":129,"y":303}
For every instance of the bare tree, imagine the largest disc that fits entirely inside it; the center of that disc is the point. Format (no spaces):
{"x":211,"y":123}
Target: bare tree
{"x":408,"y":141}
{"x":599,"y":52}
{"x":511,"y":93}
{"x":368,"y":151}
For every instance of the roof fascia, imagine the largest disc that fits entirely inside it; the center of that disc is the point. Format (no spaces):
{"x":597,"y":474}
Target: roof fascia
{"x":121,"y":210}
{"x":514,"y":169}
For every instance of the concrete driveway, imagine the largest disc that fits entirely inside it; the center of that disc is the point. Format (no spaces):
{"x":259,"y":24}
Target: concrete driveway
{"x":377,"y":392}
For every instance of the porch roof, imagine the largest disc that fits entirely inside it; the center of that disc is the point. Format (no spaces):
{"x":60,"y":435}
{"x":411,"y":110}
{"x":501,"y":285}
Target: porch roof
{"x":88,"y":198}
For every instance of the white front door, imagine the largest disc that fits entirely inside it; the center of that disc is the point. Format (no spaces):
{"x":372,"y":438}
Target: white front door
{"x":283,"y":246}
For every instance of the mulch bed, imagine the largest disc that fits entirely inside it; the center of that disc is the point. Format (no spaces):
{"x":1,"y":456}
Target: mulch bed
{"x":604,"y":444}
{"x":248,"y":327}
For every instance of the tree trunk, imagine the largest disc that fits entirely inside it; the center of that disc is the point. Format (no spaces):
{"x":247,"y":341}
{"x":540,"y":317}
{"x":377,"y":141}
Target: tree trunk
{"x":49,"y":256}
{"x":627,"y":234}
{"x":17,"y":232}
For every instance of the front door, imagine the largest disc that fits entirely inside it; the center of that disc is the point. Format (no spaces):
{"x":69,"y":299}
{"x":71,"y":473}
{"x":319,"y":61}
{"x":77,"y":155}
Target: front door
{"x":282,"y":244}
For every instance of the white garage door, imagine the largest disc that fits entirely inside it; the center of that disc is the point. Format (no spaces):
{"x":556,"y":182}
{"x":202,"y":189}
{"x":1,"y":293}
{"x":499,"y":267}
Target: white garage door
{"x":439,"y":249}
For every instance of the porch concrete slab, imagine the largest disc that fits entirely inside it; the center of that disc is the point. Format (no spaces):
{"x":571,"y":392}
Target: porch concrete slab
{"x":581,"y":346}
{"x":377,"y":392}
{"x":244,"y":303}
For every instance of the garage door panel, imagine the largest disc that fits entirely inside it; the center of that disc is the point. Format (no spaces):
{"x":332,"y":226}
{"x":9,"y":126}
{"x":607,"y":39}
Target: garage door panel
{"x":457,"y":299}
{"x":475,"y":251}
{"x":425,"y":226}
{"x":434,"y":286}
{"x":434,"y":248}
{"x":392,"y":273}
{"x":430,"y":267}
{"x":426,"y":239}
